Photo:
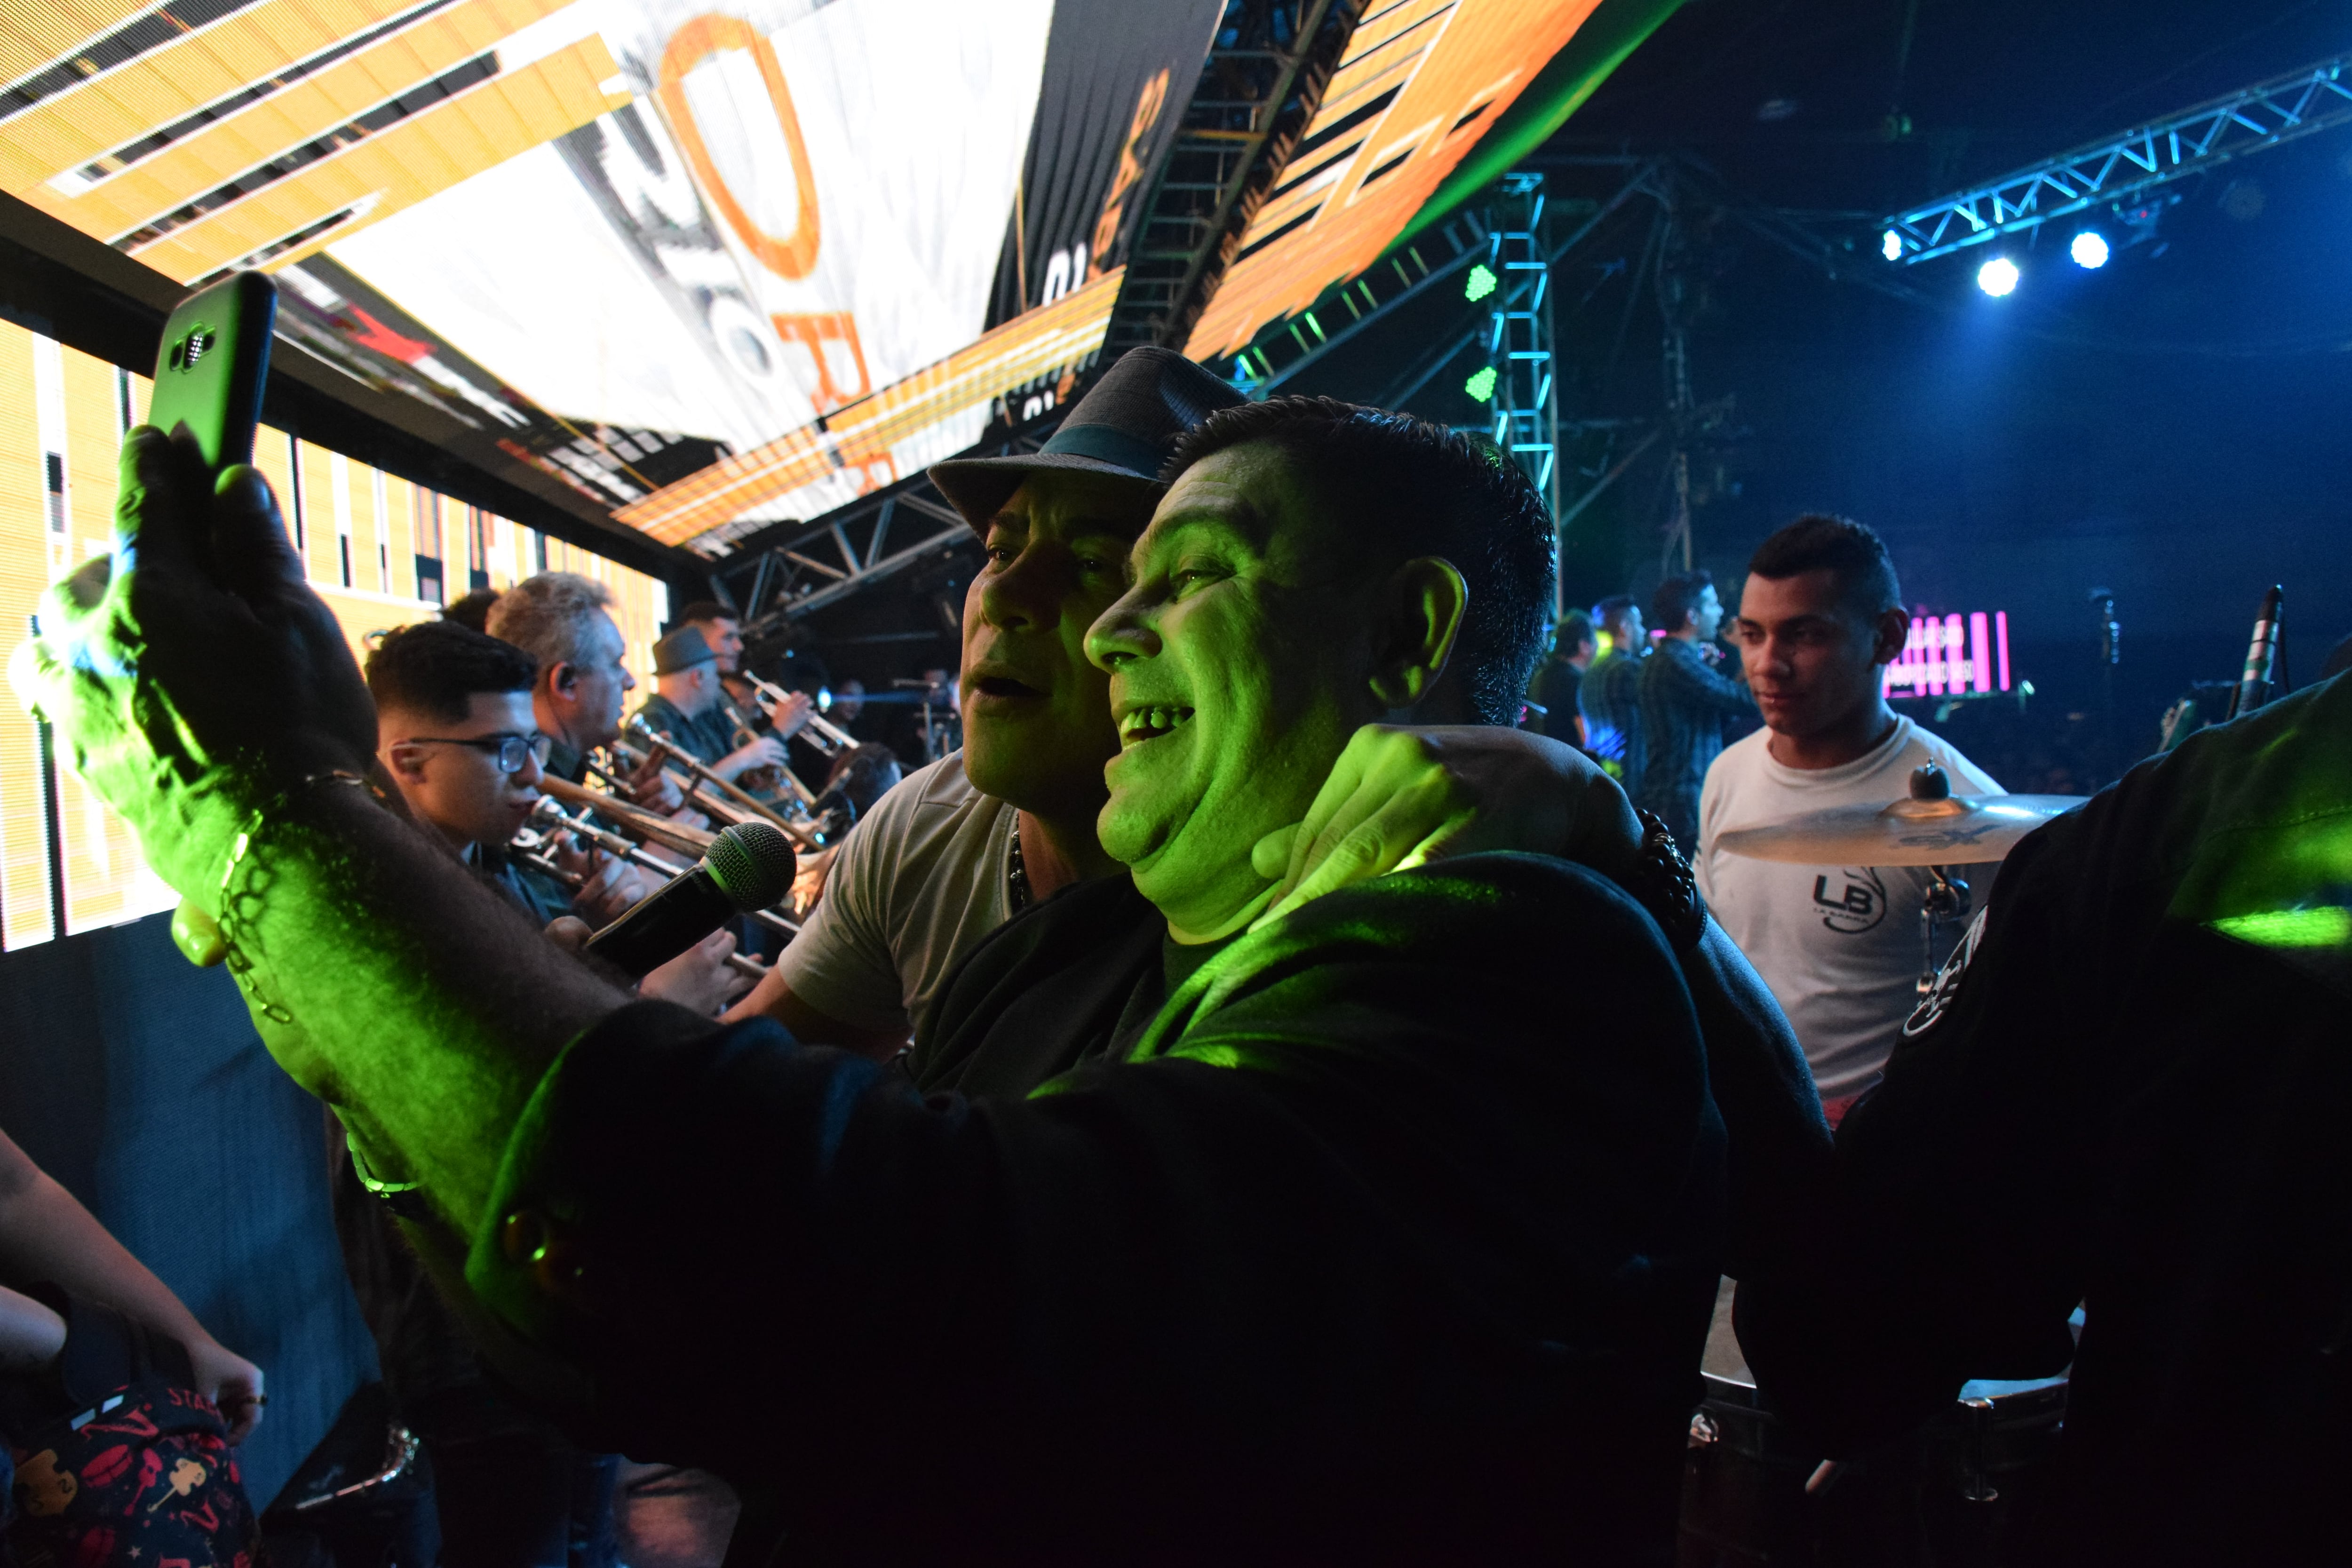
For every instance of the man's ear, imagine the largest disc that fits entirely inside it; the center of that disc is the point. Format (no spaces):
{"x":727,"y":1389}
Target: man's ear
{"x":1422,"y":614}
{"x":562,"y":675}
{"x":1892,"y":631}
{"x":405,"y":761}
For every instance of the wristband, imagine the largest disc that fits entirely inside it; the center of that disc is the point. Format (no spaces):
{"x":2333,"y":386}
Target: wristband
{"x":230,"y":922}
{"x":1660,"y":880}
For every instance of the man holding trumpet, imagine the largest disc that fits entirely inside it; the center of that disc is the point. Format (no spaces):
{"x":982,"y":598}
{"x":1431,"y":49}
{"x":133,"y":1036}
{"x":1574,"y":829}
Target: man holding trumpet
{"x":691,"y":707}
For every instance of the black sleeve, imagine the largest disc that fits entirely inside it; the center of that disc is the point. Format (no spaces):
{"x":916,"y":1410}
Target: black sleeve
{"x":1369,"y":1179}
{"x":1945,"y":1252}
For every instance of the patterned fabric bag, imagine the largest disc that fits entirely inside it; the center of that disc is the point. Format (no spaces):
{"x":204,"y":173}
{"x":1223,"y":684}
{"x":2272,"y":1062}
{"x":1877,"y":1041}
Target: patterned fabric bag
{"x":119,"y":1463}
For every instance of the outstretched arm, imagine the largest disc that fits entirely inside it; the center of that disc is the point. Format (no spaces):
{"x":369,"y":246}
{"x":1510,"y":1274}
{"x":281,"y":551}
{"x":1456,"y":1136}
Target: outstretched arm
{"x":47,"y":1235}
{"x":206,"y":694}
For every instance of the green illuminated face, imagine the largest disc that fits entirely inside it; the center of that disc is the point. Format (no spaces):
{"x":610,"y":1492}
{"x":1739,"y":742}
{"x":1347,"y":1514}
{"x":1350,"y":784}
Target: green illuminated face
{"x":1240,"y":662}
{"x":1036,"y":718}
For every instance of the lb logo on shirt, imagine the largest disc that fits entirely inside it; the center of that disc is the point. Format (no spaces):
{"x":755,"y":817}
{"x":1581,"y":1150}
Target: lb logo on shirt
{"x":1939,"y":997}
{"x":1852,"y":899}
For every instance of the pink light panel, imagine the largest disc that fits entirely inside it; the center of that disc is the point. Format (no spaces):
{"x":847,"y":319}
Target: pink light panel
{"x":1951,"y":655}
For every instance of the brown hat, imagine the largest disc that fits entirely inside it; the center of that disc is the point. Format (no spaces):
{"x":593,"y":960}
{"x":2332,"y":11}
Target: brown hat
{"x":681,"y":650}
{"x":1125,"y":427}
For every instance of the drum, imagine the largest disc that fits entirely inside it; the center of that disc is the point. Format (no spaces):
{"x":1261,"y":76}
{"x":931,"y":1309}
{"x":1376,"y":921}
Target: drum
{"x":1946,"y":1497}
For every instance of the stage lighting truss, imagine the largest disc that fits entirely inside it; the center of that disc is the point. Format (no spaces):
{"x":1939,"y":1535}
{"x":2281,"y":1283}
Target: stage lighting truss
{"x":2115,"y":171}
{"x":795,"y":568}
{"x":1430,"y":259}
{"x":1518,"y":333}
{"x":1258,"y":90}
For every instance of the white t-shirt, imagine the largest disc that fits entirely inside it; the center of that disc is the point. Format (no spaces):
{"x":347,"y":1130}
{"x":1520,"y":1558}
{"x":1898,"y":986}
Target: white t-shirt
{"x":918,"y":882}
{"x":1839,"y":945}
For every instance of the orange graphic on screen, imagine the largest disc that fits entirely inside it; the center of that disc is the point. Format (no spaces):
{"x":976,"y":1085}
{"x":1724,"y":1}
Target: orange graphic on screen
{"x":790,"y":256}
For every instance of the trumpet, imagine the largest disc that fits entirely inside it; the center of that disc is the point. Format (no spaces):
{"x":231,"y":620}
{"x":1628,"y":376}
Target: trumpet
{"x":820,"y":731}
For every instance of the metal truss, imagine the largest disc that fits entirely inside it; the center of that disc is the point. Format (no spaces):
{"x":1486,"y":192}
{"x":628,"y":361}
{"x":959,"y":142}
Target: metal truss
{"x":1519,"y":338}
{"x":2123,"y":167}
{"x":1282,"y":351}
{"x":1258,"y":89}
{"x":787,"y":572}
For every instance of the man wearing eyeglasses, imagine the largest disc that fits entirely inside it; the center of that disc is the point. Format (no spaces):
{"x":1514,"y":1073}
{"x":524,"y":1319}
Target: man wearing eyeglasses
{"x":455,"y":730}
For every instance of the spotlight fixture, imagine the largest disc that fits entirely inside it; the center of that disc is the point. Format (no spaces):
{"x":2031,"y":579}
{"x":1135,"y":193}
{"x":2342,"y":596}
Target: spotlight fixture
{"x":1481,"y":385}
{"x":1998,"y":277}
{"x":1479,"y":284}
{"x":2089,"y":250}
{"x":1890,"y":246}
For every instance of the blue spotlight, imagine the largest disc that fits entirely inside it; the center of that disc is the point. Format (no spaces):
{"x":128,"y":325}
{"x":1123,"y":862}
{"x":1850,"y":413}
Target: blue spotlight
{"x":1998,"y":277}
{"x":2089,"y":250}
{"x":1890,"y":246}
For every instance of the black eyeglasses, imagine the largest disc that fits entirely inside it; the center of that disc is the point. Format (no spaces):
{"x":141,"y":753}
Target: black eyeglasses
{"x":509,"y":749}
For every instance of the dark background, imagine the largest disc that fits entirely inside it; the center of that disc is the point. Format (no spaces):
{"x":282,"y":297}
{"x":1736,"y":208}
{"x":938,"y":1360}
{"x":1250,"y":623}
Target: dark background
{"x":2168,"y":427}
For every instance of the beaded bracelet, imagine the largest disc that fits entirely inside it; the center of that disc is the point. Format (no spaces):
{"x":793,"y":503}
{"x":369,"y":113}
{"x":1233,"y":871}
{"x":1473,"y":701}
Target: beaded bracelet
{"x":405,"y":1199}
{"x":1661,"y":883}
{"x":239,"y":963}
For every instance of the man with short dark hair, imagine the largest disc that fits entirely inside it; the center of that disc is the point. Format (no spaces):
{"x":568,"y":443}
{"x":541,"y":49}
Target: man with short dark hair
{"x":1611,"y":693}
{"x":1356,"y":1253}
{"x":471,"y":610}
{"x":2124,"y":1095}
{"x":1819,"y":618}
{"x":457,"y":733}
{"x":1685,"y":703}
{"x":1559,"y":677}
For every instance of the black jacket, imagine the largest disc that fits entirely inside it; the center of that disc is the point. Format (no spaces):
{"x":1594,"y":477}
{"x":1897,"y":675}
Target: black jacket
{"x":1362,"y":1257}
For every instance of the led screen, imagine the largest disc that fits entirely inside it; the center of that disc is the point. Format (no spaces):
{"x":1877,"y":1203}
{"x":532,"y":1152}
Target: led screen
{"x":626,"y":236}
{"x":381,"y":551}
{"x":718,"y":268}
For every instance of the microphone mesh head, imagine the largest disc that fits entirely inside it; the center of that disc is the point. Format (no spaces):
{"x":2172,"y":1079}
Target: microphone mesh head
{"x":753,"y":864}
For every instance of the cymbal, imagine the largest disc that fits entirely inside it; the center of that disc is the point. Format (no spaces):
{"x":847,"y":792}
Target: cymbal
{"x":1932,"y":827}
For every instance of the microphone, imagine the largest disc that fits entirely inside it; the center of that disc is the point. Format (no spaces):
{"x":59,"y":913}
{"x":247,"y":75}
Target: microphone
{"x":2257,"y":684}
{"x":749,"y":867}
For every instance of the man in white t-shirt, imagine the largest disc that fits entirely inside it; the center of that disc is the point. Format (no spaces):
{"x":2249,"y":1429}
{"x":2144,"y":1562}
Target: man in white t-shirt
{"x":1839,"y":945}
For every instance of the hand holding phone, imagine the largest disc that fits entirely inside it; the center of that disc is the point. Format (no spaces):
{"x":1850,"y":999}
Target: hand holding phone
{"x":210,"y":368}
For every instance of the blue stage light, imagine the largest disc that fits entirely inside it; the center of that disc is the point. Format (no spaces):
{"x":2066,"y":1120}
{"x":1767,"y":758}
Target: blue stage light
{"x":2089,"y":250}
{"x":1890,"y":246}
{"x":1998,"y":277}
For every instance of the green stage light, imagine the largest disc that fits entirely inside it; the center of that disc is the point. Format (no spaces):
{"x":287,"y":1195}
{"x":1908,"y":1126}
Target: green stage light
{"x":1480,"y":284}
{"x":1481,"y":385}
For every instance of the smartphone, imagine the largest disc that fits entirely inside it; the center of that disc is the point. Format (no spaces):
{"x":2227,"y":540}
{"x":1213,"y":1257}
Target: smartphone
{"x":209,"y":371}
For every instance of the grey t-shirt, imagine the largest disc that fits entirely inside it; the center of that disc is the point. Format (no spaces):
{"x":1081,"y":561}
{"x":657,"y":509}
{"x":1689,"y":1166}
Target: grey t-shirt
{"x":916,"y":885}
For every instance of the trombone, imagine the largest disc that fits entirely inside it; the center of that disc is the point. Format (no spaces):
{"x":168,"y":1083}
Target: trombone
{"x":534,"y":855}
{"x":550,"y":817}
{"x":707,"y":791}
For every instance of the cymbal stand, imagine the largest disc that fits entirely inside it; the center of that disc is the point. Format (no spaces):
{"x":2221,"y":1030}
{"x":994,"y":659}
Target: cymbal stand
{"x":1947,"y":899}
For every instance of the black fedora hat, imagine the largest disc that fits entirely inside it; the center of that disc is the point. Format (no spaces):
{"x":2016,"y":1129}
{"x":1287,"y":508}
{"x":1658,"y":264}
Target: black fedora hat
{"x":1124,"y":427}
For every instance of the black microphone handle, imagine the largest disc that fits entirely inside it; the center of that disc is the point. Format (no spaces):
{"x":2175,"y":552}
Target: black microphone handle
{"x":664,"y":924}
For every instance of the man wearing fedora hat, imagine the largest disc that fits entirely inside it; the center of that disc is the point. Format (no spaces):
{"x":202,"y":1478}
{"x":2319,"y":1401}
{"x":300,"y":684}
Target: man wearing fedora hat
{"x":689,"y":706}
{"x":963,"y":845}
